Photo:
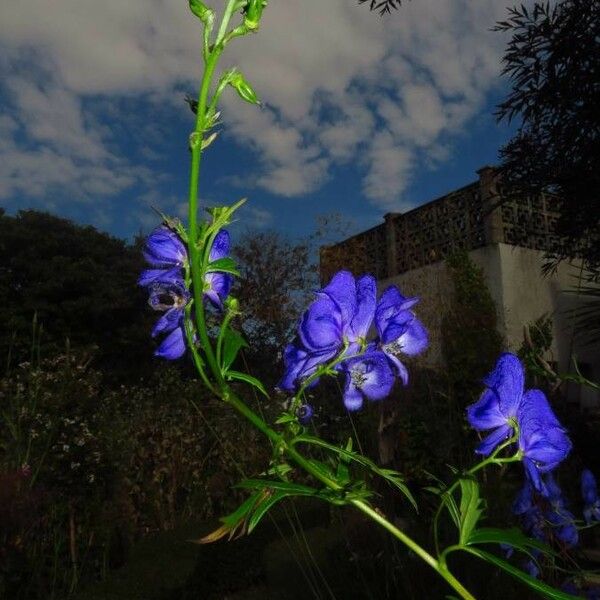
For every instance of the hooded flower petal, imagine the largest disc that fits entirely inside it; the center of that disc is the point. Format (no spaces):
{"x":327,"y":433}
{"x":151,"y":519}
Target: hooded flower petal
{"x":499,"y":404}
{"x":342,"y":291}
{"x":220,"y":247}
{"x":542,"y":439}
{"x":169,"y":321}
{"x":507,"y":380}
{"x":165,"y":276}
{"x":173,"y":346}
{"x":164,"y":248}
{"x":369,"y":375}
{"x":219,"y":285}
{"x":366,"y":296}
{"x":494,"y":439}
{"x":321,"y":326}
{"x":485,"y":413}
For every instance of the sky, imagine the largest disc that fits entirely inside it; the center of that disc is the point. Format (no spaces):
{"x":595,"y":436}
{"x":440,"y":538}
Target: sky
{"x":361,"y":115}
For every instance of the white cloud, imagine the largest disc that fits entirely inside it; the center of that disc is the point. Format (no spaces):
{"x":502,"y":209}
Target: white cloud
{"x":338,"y":82}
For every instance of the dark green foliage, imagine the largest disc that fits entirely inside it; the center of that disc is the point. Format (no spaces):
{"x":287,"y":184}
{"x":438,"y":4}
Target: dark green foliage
{"x":553,"y":62}
{"x":80,"y":283}
{"x":276,"y":275}
{"x":470,"y":341}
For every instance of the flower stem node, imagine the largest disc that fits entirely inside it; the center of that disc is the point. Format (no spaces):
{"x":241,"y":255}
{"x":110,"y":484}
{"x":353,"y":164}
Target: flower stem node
{"x":305,"y":414}
{"x":203,"y":12}
{"x":253,"y":14}
{"x":195,"y":140}
{"x":243,"y":88}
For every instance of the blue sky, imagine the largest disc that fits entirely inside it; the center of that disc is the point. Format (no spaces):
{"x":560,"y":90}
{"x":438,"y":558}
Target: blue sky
{"x":362,"y":115}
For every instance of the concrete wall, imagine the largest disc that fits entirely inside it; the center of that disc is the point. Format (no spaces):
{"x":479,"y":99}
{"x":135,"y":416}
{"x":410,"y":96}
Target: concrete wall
{"x":522,"y":295}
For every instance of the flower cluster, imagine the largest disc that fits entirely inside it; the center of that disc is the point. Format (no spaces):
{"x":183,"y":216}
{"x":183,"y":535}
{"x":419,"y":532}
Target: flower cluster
{"x":167,"y":256}
{"x":505,"y":406}
{"x":545,"y":517}
{"x":589,"y":492}
{"x":334,"y":330}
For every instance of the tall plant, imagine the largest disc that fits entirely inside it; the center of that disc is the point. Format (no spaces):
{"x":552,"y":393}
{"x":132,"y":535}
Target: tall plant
{"x":189,"y":280}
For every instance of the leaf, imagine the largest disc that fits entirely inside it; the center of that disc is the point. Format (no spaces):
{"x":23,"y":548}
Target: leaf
{"x":247,"y":379}
{"x":233,"y":341}
{"x":542,"y":588}
{"x":223,"y":265}
{"x":263,"y":508}
{"x":283,"y":486}
{"x":470,"y":510}
{"x":450,"y":504}
{"x":513,"y":537}
{"x":232,"y":522}
{"x":392,"y":477}
{"x":285,"y":418}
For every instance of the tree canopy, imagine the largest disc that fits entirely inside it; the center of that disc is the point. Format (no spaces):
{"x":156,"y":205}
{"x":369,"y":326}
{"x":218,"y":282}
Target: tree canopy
{"x":81,"y":285}
{"x":553,"y":62}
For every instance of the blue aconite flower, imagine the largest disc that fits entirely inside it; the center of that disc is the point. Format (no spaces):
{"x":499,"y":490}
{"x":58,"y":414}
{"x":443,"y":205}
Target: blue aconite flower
{"x":589,"y":492}
{"x":400,"y":332}
{"x":367,"y":376}
{"x":217,"y":285}
{"x":336,"y":326}
{"x":505,"y":404}
{"x":545,"y":516}
{"x":340,"y":315}
{"x":543,"y":441}
{"x":166,"y":254}
{"x":499,"y":404}
{"x":172,"y":299}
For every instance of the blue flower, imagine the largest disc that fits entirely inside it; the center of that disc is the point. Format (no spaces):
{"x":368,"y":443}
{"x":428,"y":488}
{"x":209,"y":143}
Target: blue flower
{"x":400,"y":332}
{"x":166,"y":254}
{"x":589,"y":492}
{"x":172,"y":299}
{"x":544,"y":515}
{"x":543,"y":442}
{"x":499,"y":404}
{"x":368,"y":376}
{"x":341,"y":314}
{"x":305,"y":414}
{"x":217,"y":285}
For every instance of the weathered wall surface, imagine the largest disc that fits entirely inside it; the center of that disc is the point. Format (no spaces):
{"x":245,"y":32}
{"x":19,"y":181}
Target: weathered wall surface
{"x":522,"y":295}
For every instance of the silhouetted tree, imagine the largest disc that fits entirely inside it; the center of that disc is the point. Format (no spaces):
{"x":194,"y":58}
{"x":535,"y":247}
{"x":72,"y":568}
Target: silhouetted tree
{"x":276,"y":278}
{"x":80,"y":283}
{"x":553,"y":61}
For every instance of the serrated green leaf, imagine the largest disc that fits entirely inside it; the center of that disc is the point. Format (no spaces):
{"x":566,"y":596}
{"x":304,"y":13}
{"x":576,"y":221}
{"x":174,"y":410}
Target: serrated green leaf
{"x":223,"y":265}
{"x":241,"y":512}
{"x":342,"y":474}
{"x":263,"y":507}
{"x":450,"y":504}
{"x":470,"y":511}
{"x":542,"y":588}
{"x":392,"y":477}
{"x":513,"y":537}
{"x":247,"y":379}
{"x":233,"y":342}
{"x":285,"y":418}
{"x":284,"y":486}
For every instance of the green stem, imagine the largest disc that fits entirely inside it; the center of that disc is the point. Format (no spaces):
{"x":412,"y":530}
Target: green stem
{"x":307,"y":466}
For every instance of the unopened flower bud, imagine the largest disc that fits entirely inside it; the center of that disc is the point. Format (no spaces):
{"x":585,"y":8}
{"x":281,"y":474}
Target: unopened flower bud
{"x":253,"y":13}
{"x":304,"y":414}
{"x":232,"y":304}
{"x":203,"y":12}
{"x":243,"y":88}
